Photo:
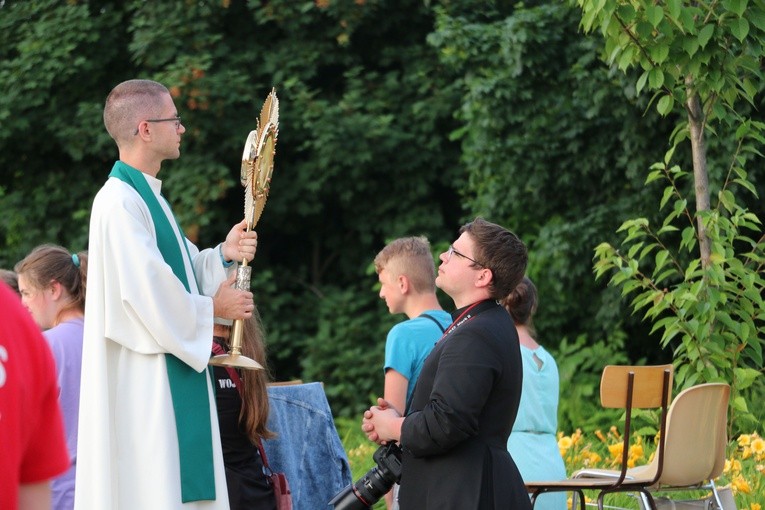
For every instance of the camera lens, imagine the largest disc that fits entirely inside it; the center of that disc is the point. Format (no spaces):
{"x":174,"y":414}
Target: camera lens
{"x":375,"y":484}
{"x":364,"y":493}
{"x":347,"y":500}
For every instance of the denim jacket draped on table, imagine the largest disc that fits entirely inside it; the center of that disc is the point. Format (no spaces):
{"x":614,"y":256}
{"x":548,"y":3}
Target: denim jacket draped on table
{"x":307,"y":447}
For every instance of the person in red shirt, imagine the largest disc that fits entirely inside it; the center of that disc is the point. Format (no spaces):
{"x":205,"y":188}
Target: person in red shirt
{"x":31,"y":426}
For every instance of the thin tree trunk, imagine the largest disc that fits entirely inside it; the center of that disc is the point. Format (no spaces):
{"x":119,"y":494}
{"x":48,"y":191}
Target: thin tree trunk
{"x":696,"y":123}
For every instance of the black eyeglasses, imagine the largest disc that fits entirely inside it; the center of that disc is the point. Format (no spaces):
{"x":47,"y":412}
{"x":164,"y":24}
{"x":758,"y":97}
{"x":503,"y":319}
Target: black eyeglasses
{"x":454,"y":251}
{"x":176,"y":119}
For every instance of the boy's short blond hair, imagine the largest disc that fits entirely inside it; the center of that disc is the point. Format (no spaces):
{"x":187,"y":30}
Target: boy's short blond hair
{"x":409,"y":256}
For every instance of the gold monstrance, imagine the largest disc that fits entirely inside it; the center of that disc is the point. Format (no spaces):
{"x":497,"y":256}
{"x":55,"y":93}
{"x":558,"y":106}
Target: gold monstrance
{"x":257,"y":167}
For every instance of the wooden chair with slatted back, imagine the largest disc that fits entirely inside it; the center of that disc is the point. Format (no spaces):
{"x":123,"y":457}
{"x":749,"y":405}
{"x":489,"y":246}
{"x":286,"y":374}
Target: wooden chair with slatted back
{"x":622,"y":387}
{"x":694,"y":449}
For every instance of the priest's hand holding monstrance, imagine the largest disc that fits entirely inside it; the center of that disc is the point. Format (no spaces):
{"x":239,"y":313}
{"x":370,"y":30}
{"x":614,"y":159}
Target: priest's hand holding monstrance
{"x":257,"y":167}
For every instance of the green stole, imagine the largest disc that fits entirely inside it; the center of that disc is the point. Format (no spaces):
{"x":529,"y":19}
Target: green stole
{"x":187,"y":387}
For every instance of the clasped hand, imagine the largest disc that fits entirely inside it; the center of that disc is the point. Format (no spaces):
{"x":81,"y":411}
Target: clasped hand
{"x":380,"y":423}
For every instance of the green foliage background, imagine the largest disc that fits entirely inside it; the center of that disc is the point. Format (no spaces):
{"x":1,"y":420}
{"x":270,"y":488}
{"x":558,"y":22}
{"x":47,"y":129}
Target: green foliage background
{"x":396,"y":118}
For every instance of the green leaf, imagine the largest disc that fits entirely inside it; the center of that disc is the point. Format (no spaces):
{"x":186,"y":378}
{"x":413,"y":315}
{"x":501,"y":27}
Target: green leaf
{"x":656,"y":78}
{"x":654,"y":14}
{"x":641,"y":81}
{"x":736,"y":6}
{"x":661,"y":259}
{"x":667,"y":228}
{"x":705,"y":34}
{"x":739,"y":27}
{"x":757,"y":18}
{"x":644,"y":30}
{"x":689,"y":237}
{"x":674,"y":7}
{"x":727,"y":200}
{"x":660,"y":278}
{"x":687,"y":20}
{"x":626,"y":13}
{"x":660,"y":53}
{"x":690,"y":45}
{"x":625,"y":59}
{"x":669,"y":192}
{"x":738,"y":403}
{"x":665,"y":105}
{"x":745,"y":377}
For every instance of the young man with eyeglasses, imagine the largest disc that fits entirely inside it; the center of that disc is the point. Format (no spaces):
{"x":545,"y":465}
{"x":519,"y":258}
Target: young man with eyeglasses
{"x":407,"y":278}
{"x":454,"y":434}
{"x":148,"y":424}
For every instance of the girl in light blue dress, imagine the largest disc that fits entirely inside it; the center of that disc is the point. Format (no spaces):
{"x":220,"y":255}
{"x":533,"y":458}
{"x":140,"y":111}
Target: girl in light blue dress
{"x":533,"y":443}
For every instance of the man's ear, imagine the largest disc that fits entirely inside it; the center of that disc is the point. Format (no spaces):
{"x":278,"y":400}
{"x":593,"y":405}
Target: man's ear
{"x":403,"y":283}
{"x":485,"y":277}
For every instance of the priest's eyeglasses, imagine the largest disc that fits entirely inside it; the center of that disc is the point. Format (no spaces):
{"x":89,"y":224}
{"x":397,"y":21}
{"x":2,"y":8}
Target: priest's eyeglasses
{"x":176,"y":119}
{"x":452,"y":250}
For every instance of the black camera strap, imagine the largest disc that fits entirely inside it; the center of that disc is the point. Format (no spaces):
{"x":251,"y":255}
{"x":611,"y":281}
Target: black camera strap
{"x":428,"y":316}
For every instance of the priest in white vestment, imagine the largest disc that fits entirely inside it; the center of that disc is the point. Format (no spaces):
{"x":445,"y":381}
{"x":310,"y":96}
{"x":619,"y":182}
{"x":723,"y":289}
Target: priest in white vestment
{"x":151,"y":299}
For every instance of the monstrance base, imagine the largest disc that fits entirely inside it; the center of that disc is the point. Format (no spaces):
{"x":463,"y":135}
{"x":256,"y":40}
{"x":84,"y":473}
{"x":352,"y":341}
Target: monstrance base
{"x":235,"y":360}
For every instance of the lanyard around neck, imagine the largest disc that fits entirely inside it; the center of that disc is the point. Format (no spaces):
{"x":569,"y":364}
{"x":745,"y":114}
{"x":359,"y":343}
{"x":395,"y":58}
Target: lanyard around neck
{"x":462,"y":319}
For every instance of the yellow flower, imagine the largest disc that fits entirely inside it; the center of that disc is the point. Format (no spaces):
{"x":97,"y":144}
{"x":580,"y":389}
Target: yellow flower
{"x":594,"y":458}
{"x":741,"y":485}
{"x":616,"y":450}
{"x":744,"y":439}
{"x":758,"y":446}
{"x":746,"y":453}
{"x":636,"y":453}
{"x":565,"y":443}
{"x":600,"y":435}
{"x":754,"y":506}
{"x":732,"y":466}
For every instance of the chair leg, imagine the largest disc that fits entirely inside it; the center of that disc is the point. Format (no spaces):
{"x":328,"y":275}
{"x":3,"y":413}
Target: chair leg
{"x":534,"y":499}
{"x":646,"y":497}
{"x":536,"y":494}
{"x":718,"y":501}
{"x":644,"y":503}
{"x":581,"y":499}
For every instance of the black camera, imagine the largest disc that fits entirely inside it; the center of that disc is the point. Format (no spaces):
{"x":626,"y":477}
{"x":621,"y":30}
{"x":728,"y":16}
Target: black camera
{"x":375,"y":484}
